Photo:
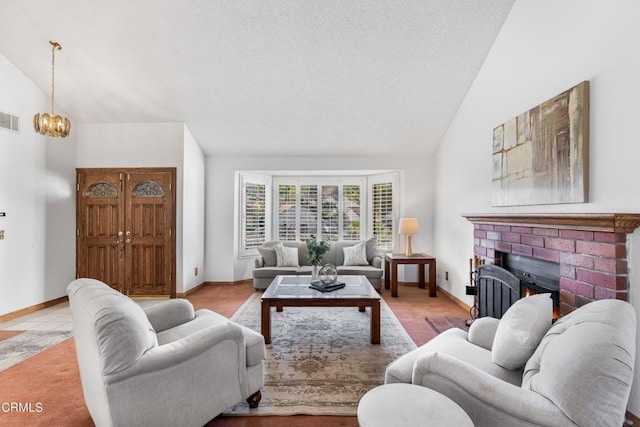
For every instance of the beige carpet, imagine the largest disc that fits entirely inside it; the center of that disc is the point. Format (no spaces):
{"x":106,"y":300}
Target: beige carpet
{"x":22,"y":346}
{"x":321,"y":361}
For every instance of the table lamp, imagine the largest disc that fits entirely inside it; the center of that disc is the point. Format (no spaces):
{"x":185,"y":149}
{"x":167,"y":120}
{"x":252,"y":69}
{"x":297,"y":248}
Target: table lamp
{"x":408,"y":227}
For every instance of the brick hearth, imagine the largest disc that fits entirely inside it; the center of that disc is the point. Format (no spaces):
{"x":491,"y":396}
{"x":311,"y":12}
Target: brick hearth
{"x":592,"y":258}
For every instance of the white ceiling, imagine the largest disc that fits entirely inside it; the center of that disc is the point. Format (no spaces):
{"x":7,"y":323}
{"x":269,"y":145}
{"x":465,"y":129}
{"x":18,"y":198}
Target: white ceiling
{"x":261,"y":77}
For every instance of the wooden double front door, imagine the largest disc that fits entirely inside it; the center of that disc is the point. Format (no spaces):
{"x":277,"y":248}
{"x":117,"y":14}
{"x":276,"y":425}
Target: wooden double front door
{"x":126,"y":229}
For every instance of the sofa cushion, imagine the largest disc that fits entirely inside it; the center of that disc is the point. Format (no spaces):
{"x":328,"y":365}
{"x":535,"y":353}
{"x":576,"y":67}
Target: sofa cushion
{"x":254,"y":342}
{"x":286,"y":257}
{"x":453,"y":342}
{"x":268,"y":255}
{"x":598,"y":369}
{"x":338,"y":251}
{"x":355,"y":255}
{"x":356,"y":270}
{"x":521,"y":329}
{"x":300,"y":246}
{"x":271,"y":272}
{"x":372,"y":249}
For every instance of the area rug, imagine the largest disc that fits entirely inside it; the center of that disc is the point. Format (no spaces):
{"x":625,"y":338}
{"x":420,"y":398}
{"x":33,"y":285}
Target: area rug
{"x":442,"y":323}
{"x":320,"y":360}
{"x":20,"y":347}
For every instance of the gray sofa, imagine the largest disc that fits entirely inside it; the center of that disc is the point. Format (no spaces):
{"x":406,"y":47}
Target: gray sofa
{"x":164,"y":365}
{"x":266,"y":270}
{"x":579,"y":374}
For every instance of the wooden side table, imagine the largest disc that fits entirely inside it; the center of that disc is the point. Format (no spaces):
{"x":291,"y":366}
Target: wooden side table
{"x":391,"y":262}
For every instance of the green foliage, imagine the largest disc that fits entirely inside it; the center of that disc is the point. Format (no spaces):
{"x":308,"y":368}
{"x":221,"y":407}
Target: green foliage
{"x":315,"y":250}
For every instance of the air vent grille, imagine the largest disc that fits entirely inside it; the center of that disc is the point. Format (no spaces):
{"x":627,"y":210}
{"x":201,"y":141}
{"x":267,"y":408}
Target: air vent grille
{"x":9,"y":122}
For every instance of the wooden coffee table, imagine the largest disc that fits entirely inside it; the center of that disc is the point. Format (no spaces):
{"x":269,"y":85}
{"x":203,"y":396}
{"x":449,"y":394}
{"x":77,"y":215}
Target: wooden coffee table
{"x":294,"y":291}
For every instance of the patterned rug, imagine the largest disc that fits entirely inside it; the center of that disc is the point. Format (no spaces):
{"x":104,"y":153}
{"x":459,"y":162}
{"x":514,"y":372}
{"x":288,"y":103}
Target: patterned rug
{"x":20,"y":347}
{"x":442,"y":323}
{"x":320,"y":360}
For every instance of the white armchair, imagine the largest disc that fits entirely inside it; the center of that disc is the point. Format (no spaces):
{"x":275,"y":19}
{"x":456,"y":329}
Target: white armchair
{"x":166,"y":365}
{"x":579,"y":374}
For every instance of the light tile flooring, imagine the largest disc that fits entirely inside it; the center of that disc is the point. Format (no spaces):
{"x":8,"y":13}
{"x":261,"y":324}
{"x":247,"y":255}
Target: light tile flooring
{"x":54,"y":318}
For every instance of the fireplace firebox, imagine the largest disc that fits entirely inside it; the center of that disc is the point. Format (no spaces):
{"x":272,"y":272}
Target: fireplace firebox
{"x":518,"y":277}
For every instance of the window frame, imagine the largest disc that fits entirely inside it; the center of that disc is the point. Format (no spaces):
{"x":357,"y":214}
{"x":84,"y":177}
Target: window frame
{"x":253,"y":179}
{"x":272,"y":180}
{"x":319,"y":181}
{"x":394,"y":179}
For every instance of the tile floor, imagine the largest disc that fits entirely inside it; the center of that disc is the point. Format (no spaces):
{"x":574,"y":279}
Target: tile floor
{"x":54,"y":318}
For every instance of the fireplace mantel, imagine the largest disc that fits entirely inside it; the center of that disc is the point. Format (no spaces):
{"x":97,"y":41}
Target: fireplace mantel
{"x":605,"y":222}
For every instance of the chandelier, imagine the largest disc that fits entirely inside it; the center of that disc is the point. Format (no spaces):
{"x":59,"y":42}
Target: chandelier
{"x":52,"y":124}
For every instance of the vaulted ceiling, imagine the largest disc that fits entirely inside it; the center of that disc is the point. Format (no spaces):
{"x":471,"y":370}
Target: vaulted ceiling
{"x":261,"y":77}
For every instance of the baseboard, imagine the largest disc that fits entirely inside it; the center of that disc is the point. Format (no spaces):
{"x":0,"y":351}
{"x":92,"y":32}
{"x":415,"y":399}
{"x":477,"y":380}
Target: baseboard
{"x":203,"y":284}
{"x":33,"y":308}
{"x":454,"y":299}
{"x":190,"y":291}
{"x":234,"y":283}
{"x":442,"y":291}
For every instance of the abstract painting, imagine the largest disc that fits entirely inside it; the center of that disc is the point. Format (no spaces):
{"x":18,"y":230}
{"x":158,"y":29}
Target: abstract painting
{"x":542,"y":155}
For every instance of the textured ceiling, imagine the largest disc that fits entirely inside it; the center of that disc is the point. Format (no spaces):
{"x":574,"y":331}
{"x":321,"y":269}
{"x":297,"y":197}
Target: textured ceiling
{"x":261,"y":77}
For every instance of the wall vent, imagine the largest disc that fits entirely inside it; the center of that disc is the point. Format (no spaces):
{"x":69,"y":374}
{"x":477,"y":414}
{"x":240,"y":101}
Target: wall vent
{"x":9,"y":122}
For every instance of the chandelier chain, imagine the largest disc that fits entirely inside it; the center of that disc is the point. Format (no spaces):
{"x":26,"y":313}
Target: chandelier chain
{"x":53,"y":71}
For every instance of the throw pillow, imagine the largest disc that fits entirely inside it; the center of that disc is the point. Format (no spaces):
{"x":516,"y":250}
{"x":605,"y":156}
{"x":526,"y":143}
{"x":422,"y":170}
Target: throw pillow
{"x":356,"y":254}
{"x":269,"y":255}
{"x":520,"y":330}
{"x":286,"y":257}
{"x":372,"y":248}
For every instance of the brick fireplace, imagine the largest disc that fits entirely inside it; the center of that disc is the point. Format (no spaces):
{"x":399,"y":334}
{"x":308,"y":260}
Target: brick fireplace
{"x":591,"y":249}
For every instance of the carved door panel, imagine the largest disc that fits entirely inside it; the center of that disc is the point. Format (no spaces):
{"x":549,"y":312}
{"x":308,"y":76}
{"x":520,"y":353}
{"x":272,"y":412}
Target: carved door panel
{"x":125,"y":229}
{"x":148,"y":266}
{"x":100,"y":225}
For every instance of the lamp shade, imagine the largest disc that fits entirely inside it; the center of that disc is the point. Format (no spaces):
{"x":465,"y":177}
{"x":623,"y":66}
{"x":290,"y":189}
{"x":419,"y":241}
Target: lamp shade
{"x":409,"y":226}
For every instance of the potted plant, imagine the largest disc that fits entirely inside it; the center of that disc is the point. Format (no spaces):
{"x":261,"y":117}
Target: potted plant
{"x":315,"y":250}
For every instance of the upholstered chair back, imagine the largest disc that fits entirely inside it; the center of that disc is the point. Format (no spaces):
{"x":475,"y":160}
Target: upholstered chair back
{"x":111,"y":333}
{"x":584,"y":363}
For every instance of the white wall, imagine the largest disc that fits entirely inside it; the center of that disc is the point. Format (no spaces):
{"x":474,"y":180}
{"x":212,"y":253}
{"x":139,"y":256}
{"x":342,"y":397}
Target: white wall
{"x":37,"y":255}
{"x":111,"y":145}
{"x":192,"y":213}
{"x":221,"y":261}
{"x":544,"y":48}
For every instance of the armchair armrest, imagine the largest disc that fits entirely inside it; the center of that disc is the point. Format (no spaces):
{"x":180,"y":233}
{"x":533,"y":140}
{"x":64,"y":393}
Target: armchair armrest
{"x":184,"y":350}
{"x":258,"y":262}
{"x":488,"y":400}
{"x":377,"y":260}
{"x":168,"y":314}
{"x":482,"y":332}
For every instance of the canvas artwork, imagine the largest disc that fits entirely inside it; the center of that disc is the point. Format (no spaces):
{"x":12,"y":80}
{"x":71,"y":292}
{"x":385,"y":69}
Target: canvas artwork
{"x":541,"y":156}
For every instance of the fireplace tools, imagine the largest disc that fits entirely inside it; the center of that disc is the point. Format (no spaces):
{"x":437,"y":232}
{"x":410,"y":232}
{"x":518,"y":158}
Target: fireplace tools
{"x":472,"y":289}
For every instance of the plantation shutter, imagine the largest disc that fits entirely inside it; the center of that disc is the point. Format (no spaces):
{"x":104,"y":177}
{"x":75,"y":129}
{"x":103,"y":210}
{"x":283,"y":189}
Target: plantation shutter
{"x":287,"y":212}
{"x":382,"y":214}
{"x":330,"y":213}
{"x":308,"y":212}
{"x":351,"y":212}
{"x":254,"y":215}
